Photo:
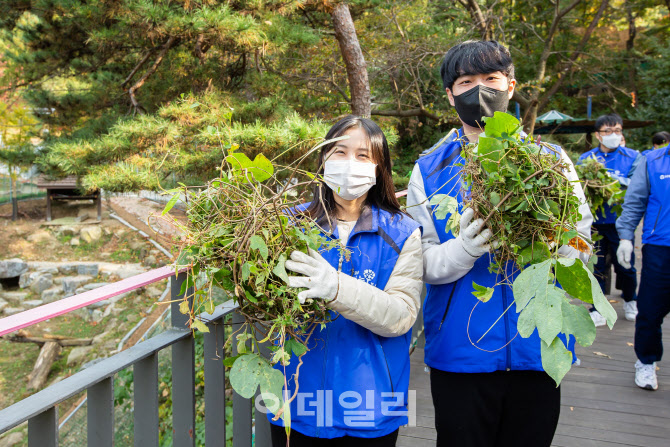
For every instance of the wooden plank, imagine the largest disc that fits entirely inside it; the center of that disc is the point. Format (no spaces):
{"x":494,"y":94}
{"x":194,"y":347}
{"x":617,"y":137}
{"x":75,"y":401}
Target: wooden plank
{"x":60,"y":307}
{"x":609,"y":436}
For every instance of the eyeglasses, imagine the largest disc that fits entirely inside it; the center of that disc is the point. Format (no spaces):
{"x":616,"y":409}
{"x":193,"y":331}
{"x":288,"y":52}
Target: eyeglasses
{"x":610,"y":131}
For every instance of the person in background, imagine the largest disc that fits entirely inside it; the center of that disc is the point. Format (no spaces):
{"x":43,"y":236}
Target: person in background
{"x":659,"y":140}
{"x":648,"y":196}
{"x":354,"y":379}
{"x":478,"y":391}
{"x":621,"y":163}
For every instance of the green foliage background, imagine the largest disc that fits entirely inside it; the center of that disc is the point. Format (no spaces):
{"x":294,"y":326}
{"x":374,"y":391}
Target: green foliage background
{"x":268,"y":75}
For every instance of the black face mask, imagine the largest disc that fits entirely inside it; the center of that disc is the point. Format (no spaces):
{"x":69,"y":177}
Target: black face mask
{"x":480,"y":101}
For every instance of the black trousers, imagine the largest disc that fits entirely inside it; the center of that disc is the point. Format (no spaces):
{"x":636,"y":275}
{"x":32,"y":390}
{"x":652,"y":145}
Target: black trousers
{"x":299,"y":440}
{"x":498,"y":409}
{"x":653,"y":303}
{"x":626,"y":279}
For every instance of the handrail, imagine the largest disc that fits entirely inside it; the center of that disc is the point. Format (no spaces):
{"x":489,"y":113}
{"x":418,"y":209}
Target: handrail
{"x":65,"y":305}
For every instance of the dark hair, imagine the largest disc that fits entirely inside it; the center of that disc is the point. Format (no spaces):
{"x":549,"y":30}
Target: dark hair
{"x":382,"y":195}
{"x":660,"y":137}
{"x":475,"y":57}
{"x":608,"y":120}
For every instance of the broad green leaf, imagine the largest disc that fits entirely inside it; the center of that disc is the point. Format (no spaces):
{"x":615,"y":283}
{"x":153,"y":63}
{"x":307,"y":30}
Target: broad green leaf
{"x":246,"y":373}
{"x":601,"y":303}
{"x":482,"y":293}
{"x":295,"y":346}
{"x":533,"y":279}
{"x":257,"y":243}
{"x":272,"y":383}
{"x":228,"y":361}
{"x":199,"y":326}
{"x":500,"y":123}
{"x":537,"y":252}
{"x":574,"y":279}
{"x":210,"y":307}
{"x":556,"y":359}
{"x":445,"y":204}
{"x":548,"y":313}
{"x":490,"y":152}
{"x":280,"y":269}
{"x":261,"y":168}
{"x":184,"y":307}
{"x":495,"y":198}
{"x":568,"y":236}
{"x":526,"y":323}
{"x":238,"y":161}
{"x":221,"y":278}
{"x":578,"y":322}
{"x":246,"y":271}
{"x":170,"y":204}
{"x":250,"y":297}
{"x":282,"y":356}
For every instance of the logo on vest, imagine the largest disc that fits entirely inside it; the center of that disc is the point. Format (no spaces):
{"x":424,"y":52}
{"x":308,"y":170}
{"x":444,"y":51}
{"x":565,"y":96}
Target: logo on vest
{"x":368,"y":275}
{"x":664,"y":176}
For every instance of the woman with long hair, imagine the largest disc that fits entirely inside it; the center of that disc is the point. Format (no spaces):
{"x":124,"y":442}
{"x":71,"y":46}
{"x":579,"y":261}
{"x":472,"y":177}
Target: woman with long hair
{"x":352,"y":387}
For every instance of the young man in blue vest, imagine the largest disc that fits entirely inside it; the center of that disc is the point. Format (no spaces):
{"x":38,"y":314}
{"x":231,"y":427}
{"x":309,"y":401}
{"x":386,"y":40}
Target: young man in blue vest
{"x":480,"y":390}
{"x":621,"y":163}
{"x":648,"y":196}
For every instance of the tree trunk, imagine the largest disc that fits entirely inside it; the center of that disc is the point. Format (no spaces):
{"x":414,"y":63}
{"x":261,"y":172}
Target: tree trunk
{"x":47,"y":357}
{"x":357,"y":72}
{"x":15,"y":198}
{"x":630,"y":46}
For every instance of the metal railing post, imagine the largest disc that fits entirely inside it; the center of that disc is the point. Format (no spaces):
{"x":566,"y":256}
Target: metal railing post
{"x":145,"y":414}
{"x":100,"y":413}
{"x":183,"y":373}
{"x":262,"y":437}
{"x":215,"y":386}
{"x":43,"y":429}
{"x":241,"y":406}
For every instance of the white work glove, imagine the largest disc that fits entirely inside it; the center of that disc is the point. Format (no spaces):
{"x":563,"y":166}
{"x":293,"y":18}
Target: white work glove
{"x":624,"y":252}
{"x":321,"y":280}
{"x":475,"y":242}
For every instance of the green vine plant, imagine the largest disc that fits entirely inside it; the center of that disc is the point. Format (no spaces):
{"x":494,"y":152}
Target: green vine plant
{"x":518,"y":186}
{"x":241,"y":228}
{"x":599,"y":186}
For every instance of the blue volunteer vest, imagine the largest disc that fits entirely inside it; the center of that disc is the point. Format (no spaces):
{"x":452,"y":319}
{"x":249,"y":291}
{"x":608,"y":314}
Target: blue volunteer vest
{"x":656,"y":228}
{"x":353,"y":382}
{"x":454,"y":319}
{"x":618,"y":162}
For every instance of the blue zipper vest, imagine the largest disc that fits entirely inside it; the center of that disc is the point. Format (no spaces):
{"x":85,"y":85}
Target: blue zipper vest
{"x":454,"y":319}
{"x":356,"y":382}
{"x":656,"y":230}
{"x":618,"y":162}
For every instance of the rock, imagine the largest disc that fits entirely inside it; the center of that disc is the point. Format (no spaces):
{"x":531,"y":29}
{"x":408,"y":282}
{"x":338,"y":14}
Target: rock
{"x":3,"y":304}
{"x":90,"y":234}
{"x":99,"y":304}
{"x":132,"y":318}
{"x":100,"y":338}
{"x":136,"y":245}
{"x":88,"y":269}
{"x":67,"y":231}
{"x":0,"y":287}
{"x":72,"y":283}
{"x":79,"y":290}
{"x":96,"y":316}
{"x":94,"y":285}
{"x":149,"y":261}
{"x":128,"y":270}
{"x":155,"y":252}
{"x":52,"y":270}
{"x":14,"y":297}
{"x":120,"y":233}
{"x":43,"y":282}
{"x":67,"y":269}
{"x":116,"y":298}
{"x":33,"y":303}
{"x":12,"y":439}
{"x":11,"y":268}
{"x":107,"y":232}
{"x":78,"y":354}
{"x":40,"y":236}
{"x":13,"y":310}
{"x":58,"y":281}
{"x":111,"y":308}
{"x":154,"y":292}
{"x":52,"y":294}
{"x":74,"y":241}
{"x":27,"y":278}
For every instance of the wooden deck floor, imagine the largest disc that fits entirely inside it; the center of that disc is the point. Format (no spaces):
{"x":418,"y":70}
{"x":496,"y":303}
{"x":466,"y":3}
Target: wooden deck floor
{"x":600,"y":404}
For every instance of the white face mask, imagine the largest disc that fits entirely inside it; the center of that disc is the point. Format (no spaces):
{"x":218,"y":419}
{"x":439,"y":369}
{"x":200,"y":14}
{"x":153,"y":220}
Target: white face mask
{"x":611,"y":141}
{"x":349,"y":179}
